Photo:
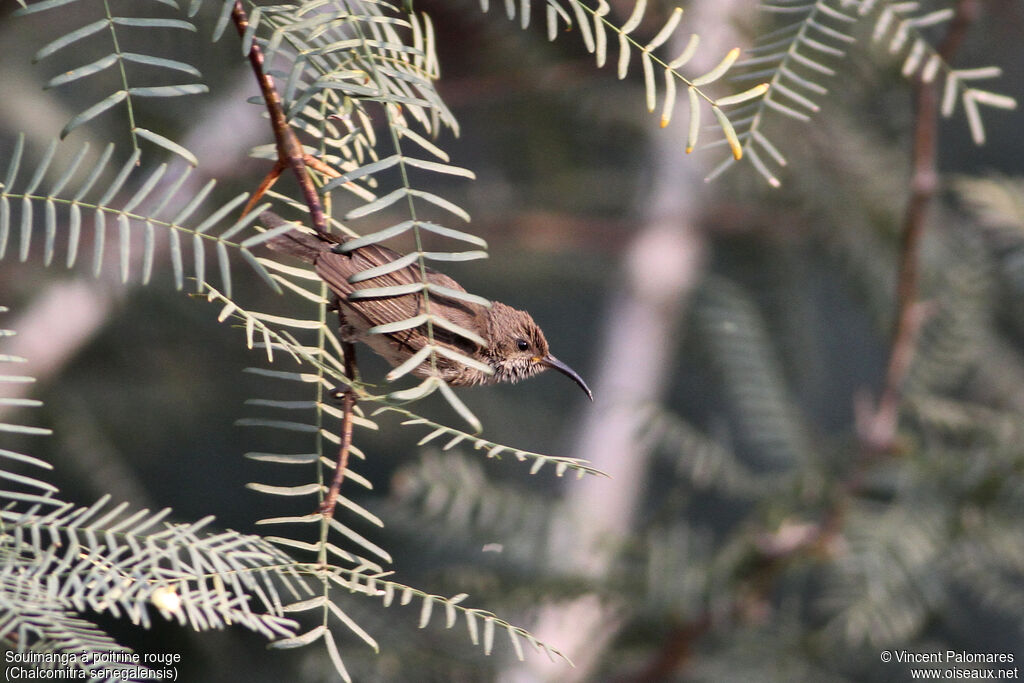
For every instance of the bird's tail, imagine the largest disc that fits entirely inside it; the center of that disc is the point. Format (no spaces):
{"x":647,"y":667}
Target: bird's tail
{"x":302,"y":245}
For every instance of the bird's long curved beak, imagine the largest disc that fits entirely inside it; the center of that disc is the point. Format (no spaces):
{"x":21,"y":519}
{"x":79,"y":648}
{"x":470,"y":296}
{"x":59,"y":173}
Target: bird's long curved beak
{"x":552,"y":362}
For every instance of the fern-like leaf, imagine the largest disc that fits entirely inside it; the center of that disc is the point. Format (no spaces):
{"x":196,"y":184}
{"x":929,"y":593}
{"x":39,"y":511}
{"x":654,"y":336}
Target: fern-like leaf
{"x":593,"y":27}
{"x":480,"y":624}
{"x":58,"y":560}
{"x":900,"y":26}
{"x":800,"y":57}
{"x":121,"y":62}
{"x":797,"y":59}
{"x":147,"y":210}
{"x":490,"y":448}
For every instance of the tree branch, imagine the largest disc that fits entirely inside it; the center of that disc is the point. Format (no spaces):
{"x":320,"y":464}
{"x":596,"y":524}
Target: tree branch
{"x":878,"y":431}
{"x":348,"y":398}
{"x":289,"y":150}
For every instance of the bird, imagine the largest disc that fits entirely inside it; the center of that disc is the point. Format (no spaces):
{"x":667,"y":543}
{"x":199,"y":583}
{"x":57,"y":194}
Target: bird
{"x":515,"y":346}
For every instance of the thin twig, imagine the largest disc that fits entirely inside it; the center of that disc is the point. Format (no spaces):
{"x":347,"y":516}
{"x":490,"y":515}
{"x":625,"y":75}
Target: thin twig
{"x":348,"y":406}
{"x":266,"y":184}
{"x":878,"y":431}
{"x":289,"y":150}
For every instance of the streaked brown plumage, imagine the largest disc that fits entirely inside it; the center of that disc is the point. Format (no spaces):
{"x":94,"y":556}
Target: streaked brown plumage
{"x":516,"y":347}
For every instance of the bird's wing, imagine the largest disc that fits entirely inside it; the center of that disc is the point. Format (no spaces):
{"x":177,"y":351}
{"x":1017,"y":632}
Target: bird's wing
{"x":336,"y":269}
{"x":303,"y":245}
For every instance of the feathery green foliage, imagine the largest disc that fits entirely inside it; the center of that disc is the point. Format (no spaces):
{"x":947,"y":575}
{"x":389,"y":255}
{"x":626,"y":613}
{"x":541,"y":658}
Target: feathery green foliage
{"x":817,"y":547}
{"x":342,"y":64}
{"x":59,"y":561}
{"x":593,"y":26}
{"x":110,"y":25}
{"x":155,"y":205}
{"x":801,"y":56}
{"x":845,"y":553}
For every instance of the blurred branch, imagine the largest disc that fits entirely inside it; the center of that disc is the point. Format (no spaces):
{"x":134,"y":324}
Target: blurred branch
{"x":675,"y":650}
{"x":878,"y":430}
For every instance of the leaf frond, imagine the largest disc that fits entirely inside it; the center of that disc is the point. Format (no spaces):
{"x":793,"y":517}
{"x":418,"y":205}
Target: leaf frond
{"x":138,"y":218}
{"x":124,"y":64}
{"x":593,"y":27}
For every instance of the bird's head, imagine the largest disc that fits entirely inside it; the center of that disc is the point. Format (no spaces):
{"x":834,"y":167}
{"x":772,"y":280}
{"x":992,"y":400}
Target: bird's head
{"x":517,"y":348}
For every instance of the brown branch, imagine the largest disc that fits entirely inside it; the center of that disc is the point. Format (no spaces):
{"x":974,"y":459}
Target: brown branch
{"x":878,"y":431}
{"x":289,"y":150}
{"x":348,"y":398}
{"x":268,"y":182}
{"x":676,"y":652}
{"x":330,"y":500}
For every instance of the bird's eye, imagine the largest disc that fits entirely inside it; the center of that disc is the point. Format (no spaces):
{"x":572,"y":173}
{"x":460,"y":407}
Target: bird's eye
{"x":522,"y":344}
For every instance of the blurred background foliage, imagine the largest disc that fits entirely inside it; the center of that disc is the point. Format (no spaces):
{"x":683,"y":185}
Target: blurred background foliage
{"x":763,"y":540}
